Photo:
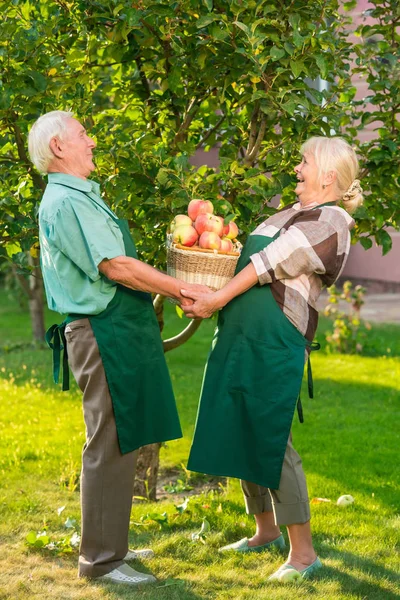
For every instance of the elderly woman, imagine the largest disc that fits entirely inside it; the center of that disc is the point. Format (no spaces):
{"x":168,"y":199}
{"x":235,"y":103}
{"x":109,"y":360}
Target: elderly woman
{"x":254,"y":371}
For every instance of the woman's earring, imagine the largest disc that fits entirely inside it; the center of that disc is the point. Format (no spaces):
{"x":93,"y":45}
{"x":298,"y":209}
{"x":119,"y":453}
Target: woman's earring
{"x":323,"y":186}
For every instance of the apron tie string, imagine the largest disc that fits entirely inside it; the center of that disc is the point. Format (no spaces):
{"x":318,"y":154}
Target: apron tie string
{"x":55,"y":339}
{"x":312,"y":346}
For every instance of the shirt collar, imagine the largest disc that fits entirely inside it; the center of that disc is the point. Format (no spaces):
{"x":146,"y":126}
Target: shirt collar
{"x":83,"y":185}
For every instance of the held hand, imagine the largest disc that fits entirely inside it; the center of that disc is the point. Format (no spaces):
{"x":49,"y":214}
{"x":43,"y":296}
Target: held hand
{"x":185,"y":301}
{"x":205,"y":304}
{"x":191,"y":290}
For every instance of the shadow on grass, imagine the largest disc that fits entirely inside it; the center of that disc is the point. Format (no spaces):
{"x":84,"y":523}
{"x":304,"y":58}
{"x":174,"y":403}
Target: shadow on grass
{"x":350,"y":583}
{"x":350,"y":436}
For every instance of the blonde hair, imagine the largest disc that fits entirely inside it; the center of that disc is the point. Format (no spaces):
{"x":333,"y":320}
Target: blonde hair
{"x":52,"y":124}
{"x":335,"y":154}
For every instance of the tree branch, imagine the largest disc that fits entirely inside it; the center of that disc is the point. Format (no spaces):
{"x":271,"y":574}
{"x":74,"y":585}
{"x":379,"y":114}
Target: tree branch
{"x":253,"y":129}
{"x":210,"y":132}
{"x":19,"y":139}
{"x":143,"y":77}
{"x":251,"y":157}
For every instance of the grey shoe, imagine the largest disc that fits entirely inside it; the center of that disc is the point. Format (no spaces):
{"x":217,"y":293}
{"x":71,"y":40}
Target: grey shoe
{"x":125,"y":574}
{"x":288,"y":574}
{"x":139,"y":554}
{"x":243,"y":546}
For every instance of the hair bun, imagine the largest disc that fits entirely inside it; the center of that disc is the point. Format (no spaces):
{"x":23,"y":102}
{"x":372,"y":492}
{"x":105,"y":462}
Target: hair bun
{"x":353,"y":191}
{"x":353,"y":197}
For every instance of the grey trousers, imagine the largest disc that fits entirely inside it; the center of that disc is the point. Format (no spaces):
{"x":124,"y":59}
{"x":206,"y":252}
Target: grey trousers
{"x":107,"y":475}
{"x":290,"y":502}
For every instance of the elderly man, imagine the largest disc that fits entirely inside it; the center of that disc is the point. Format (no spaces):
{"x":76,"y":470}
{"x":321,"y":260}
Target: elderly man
{"x":92,"y":274}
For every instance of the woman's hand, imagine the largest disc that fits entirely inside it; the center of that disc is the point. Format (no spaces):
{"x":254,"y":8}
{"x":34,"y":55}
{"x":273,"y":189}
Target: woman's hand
{"x":191,"y":289}
{"x":204,"y":305}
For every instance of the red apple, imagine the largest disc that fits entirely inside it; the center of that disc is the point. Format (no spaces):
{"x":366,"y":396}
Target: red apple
{"x":231,"y":230}
{"x":209,"y":239}
{"x":180,"y":220}
{"x":185,"y":235}
{"x":208,"y":222}
{"x":226,"y":245}
{"x":199,"y":207}
{"x":200,"y":221}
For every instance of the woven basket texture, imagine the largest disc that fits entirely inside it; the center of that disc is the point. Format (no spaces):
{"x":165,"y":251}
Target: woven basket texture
{"x":211,"y":269}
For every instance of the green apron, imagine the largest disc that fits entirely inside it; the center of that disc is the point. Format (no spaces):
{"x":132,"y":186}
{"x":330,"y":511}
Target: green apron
{"x":251,"y":385}
{"x":130,"y":346}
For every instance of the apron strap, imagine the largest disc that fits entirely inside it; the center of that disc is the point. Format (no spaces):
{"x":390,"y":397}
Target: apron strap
{"x":312,"y":347}
{"x":55,"y":339}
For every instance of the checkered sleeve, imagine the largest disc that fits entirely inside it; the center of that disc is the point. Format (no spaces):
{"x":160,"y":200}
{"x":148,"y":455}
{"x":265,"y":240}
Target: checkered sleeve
{"x":308,"y":246}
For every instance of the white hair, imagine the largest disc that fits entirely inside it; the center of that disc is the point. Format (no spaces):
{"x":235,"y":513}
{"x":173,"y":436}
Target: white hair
{"x":335,"y":154}
{"x":52,"y":124}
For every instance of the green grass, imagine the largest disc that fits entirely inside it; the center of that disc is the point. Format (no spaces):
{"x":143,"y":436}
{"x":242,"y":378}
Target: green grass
{"x":349,"y":444}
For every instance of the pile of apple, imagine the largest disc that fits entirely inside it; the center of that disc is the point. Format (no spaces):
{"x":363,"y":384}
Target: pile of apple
{"x":200,"y":227}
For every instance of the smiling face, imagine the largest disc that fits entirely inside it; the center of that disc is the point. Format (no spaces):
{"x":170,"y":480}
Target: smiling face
{"x":309,"y":187}
{"x":74,"y":153}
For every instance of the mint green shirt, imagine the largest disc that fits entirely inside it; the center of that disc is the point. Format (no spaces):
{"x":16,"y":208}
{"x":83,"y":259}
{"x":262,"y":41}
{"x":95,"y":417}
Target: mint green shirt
{"x":76,"y":232}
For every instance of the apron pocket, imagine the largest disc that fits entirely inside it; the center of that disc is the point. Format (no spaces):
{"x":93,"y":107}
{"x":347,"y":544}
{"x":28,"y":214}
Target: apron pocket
{"x":144,"y":340}
{"x":260,"y":370}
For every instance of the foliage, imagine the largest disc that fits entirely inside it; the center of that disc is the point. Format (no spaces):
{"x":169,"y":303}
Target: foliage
{"x":65,"y":545}
{"x":378,"y":62}
{"x":348,"y":328}
{"x":155,"y":81}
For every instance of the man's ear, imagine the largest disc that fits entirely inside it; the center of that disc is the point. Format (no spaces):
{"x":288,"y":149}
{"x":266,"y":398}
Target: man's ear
{"x":56,"y":147}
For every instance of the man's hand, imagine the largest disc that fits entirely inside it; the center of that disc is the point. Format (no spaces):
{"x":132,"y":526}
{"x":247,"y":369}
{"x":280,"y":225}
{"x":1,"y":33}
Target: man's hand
{"x":205,"y":304}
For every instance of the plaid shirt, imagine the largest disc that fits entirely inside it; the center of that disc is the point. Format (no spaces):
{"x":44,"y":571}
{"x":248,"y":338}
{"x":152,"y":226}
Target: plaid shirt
{"x":309,"y":254}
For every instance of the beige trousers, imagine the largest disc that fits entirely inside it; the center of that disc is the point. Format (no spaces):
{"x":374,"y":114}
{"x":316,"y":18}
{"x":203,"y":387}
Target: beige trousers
{"x":290,"y":502}
{"x":107,"y":475}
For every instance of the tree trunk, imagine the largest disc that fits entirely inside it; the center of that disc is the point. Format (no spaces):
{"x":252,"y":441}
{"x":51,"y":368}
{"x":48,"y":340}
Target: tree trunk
{"x":33,"y":288}
{"x":145,"y":485}
{"x":36,"y":306}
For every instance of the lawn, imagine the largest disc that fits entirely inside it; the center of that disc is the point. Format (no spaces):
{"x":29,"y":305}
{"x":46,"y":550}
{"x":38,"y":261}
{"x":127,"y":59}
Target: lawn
{"x":349,"y":444}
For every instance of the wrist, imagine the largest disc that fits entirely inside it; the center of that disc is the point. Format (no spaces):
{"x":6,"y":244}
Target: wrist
{"x":219,"y":299}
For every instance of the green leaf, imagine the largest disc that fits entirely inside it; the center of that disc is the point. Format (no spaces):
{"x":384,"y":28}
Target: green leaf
{"x":31,"y":538}
{"x":290,"y":106}
{"x":39,"y":81}
{"x":297,"y":39}
{"x":71,"y":523}
{"x":179,"y":311}
{"x":383,"y":239}
{"x":242,"y":26}
{"x":12,"y":248}
{"x":277,"y":53}
{"x":206,"y":20}
{"x":366,"y":242}
{"x":297,"y":67}
{"x":289,"y":48}
{"x":349,"y":5}
{"x":162,"y":177}
{"x":25,"y":10}
{"x":157,"y":517}
{"x":294,"y":20}
{"x":202,"y":170}
{"x":321,"y":64}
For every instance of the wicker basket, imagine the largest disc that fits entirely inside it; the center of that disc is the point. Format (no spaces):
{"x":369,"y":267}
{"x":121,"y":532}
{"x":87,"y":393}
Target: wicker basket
{"x":198,"y":265}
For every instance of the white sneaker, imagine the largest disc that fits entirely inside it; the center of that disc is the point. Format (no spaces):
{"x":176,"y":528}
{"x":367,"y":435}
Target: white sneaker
{"x":139,"y":554}
{"x":125,"y":574}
